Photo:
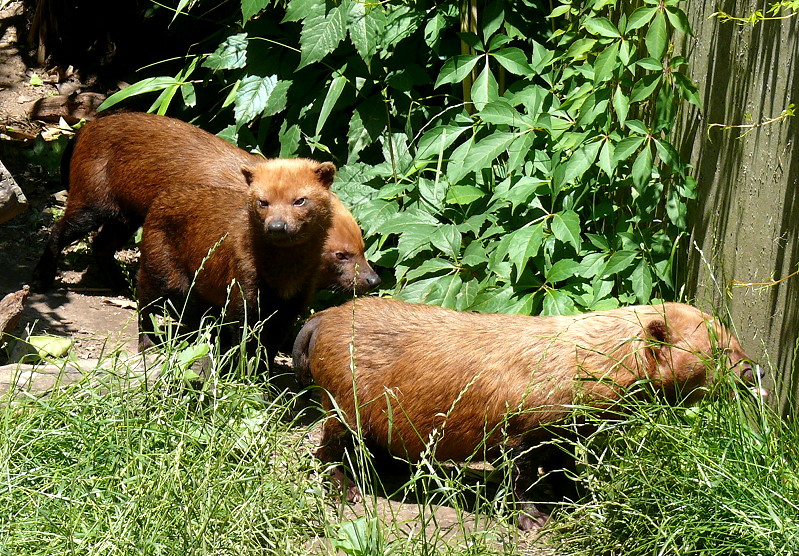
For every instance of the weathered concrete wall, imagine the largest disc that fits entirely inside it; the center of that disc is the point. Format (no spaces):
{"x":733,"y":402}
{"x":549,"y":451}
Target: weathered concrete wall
{"x":744,"y":224}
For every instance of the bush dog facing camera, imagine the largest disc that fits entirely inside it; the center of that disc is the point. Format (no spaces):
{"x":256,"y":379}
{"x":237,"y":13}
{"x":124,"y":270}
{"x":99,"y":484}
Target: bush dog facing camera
{"x":481,"y":382}
{"x":117,"y":165}
{"x":265,"y":240}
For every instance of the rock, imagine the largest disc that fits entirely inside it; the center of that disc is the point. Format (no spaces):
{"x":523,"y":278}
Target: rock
{"x":11,"y":308}
{"x":12,"y":200}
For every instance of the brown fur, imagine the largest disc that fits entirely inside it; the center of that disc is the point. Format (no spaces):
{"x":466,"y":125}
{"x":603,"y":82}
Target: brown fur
{"x":344,"y":265}
{"x":269,"y":236}
{"x":116,"y":167}
{"x":479,"y":382}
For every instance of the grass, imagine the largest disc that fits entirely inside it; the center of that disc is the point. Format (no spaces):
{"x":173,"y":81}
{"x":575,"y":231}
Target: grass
{"x":226,"y":467}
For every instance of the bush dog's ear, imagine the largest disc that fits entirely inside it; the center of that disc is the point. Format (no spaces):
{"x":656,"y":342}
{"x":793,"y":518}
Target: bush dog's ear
{"x":326,"y":171}
{"x":658,"y":337}
{"x":248,"y":174}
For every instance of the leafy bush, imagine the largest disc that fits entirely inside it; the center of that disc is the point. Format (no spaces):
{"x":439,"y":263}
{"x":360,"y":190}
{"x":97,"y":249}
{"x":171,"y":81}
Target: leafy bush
{"x":495,"y":163}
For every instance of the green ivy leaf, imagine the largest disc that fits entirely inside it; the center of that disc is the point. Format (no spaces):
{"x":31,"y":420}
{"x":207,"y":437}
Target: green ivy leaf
{"x":500,"y":112}
{"x":302,"y":9}
{"x":447,"y":239}
{"x":627,"y":147}
{"x":687,"y":89}
{"x":645,"y":86}
{"x":482,"y":154}
{"x":621,"y":104}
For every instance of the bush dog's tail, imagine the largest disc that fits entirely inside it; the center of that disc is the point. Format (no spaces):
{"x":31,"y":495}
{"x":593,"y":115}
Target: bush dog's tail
{"x":300,"y":354}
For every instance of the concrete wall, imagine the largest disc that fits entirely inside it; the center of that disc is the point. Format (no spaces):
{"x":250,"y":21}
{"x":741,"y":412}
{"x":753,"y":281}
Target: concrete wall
{"x":745,"y":224}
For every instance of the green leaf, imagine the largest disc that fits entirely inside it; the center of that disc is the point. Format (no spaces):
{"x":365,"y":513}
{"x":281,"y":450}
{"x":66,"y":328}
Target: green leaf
{"x":149,"y":85}
{"x":640,"y":17}
{"x":561,"y":270}
{"x":464,"y":194}
{"x":321,"y":34}
{"x":619,"y":262}
{"x":650,"y":64}
{"x":679,"y":20}
{"x":601,"y":26}
{"x":434,"y":142}
{"x":289,"y":138}
{"x":484,"y":88}
{"x":621,"y":104}
{"x":430,"y":266}
{"x":644,"y":87}
{"x":642,"y":169}
{"x":365,"y":26}
{"x":333,"y":93}
{"x":50,"y":346}
{"x":606,"y":160}
{"x":514,"y":60}
{"x":278,"y":99}
{"x":523,"y":245}
{"x":668,"y":154}
{"x":231,"y":54}
{"x":605,"y":63}
{"x":250,"y":8}
{"x":642,"y":282}
{"x":447,"y":239}
{"x":252,"y":96}
{"x":302,"y":9}
{"x":500,"y":112}
{"x":627,"y":147}
{"x":483,"y":154}
{"x":579,"y":48}
{"x":414,"y":238}
{"x":566,"y":228}
{"x":558,"y":302}
{"x":580,"y":161}
{"x":456,"y":69}
{"x":688,"y":90}
{"x":657,"y":36}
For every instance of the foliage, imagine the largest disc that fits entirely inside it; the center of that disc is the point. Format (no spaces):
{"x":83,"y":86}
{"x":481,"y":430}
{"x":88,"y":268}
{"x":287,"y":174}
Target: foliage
{"x":495,"y":164}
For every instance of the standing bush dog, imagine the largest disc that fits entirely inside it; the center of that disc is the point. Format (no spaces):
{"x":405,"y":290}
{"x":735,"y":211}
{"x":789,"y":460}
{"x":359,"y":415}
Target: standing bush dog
{"x":117,"y":165}
{"x":253,"y":252}
{"x":479,"y":383}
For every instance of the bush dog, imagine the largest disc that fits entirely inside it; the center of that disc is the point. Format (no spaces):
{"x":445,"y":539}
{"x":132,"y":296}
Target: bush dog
{"x":117,"y":165}
{"x":480,"y":383}
{"x":265,"y":242}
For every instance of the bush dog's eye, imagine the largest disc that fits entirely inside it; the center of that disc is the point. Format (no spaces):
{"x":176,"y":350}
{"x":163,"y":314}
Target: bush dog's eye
{"x":262,"y":203}
{"x":300,"y":202}
{"x":342,"y":256}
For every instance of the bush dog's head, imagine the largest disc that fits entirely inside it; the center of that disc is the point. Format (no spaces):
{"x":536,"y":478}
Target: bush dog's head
{"x":344,"y":265}
{"x":289,"y":198}
{"x":689,"y":350}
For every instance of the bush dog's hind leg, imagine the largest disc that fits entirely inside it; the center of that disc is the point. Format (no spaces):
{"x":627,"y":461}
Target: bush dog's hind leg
{"x":111,"y":238}
{"x":336,"y":439}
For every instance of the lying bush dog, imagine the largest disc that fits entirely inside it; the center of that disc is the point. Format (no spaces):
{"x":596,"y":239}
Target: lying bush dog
{"x":492,"y":381}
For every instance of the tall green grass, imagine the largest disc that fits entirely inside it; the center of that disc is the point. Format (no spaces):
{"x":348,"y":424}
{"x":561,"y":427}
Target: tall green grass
{"x":718,"y":479}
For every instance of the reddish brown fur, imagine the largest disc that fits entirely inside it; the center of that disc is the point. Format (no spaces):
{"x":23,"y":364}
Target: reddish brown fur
{"x":471,"y":378}
{"x":120,"y":163}
{"x":344,"y":265}
{"x":271,"y":235}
